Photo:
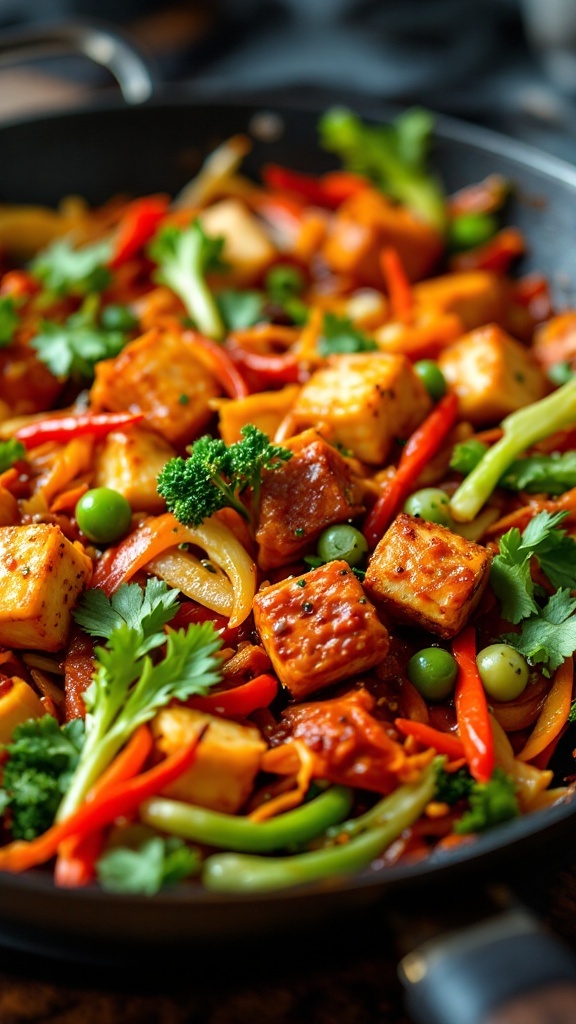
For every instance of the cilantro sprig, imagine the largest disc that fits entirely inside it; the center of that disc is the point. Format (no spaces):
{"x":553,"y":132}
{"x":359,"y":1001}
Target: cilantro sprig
{"x":157,"y":862}
{"x":340,"y":336}
{"x":73,"y":348}
{"x":547,"y":632}
{"x":218,"y":476}
{"x":128,"y":685}
{"x":9,"y":320}
{"x":66,"y":270}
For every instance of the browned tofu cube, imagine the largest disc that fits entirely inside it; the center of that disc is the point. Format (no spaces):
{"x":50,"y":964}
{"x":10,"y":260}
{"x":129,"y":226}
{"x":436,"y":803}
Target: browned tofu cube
{"x":425,"y":574}
{"x":129,"y":461}
{"x":555,"y":340}
{"x":319,"y":628}
{"x":492,"y":374}
{"x":226,"y":763}
{"x":369,"y":400}
{"x":42,"y":574}
{"x":160,"y":375}
{"x":312,"y":490}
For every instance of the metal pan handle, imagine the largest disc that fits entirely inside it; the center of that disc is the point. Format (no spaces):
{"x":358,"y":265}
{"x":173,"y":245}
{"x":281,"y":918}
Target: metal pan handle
{"x":507,"y":969}
{"x":105,"y":46}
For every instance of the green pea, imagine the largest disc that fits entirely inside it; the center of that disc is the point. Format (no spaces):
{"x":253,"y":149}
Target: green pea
{"x":284,"y":281}
{"x":560,"y":373}
{"x":103,"y":515}
{"x":503,"y":671}
{"x":432,"y":378}
{"x":471,"y":229}
{"x":342,"y":541}
{"x":431,"y":504}
{"x":433,"y":672}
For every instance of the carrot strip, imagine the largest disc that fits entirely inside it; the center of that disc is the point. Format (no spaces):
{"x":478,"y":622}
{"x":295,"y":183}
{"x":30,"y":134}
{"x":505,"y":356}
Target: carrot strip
{"x":443,"y":742}
{"x":397,"y":284}
{"x":554,"y":713}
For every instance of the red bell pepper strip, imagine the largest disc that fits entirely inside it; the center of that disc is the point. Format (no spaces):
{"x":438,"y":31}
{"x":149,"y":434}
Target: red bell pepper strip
{"x":64,"y":428}
{"x":397,"y":284}
{"x":271,"y":368}
{"x":77,"y":855}
{"x":329,"y":190}
{"x":239,"y":701}
{"x":220,"y":364}
{"x":496,"y":255}
{"x":472,"y":713}
{"x":137,"y":226}
{"x":443,"y":742}
{"x":120,"y":801}
{"x":419,"y":449}
{"x":120,"y":563}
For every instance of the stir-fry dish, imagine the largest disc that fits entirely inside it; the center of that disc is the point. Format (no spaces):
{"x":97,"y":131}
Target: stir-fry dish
{"x":287,"y":523}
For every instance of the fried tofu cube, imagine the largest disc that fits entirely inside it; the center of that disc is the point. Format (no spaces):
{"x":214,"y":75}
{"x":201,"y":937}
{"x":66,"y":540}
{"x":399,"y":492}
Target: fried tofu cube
{"x":367,"y":223}
{"x":492,"y":374}
{"x":129,"y":461}
{"x":42,"y":574}
{"x":555,"y":339}
{"x":319,"y":628}
{"x":18,"y":703}
{"x":227,"y":759}
{"x":426,"y":575}
{"x":477,"y":297}
{"x":368,"y":399}
{"x":247,"y":248}
{"x":312,"y":490}
{"x":160,"y":375}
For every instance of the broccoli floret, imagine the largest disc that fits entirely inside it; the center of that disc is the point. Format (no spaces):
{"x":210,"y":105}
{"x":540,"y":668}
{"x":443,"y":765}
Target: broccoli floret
{"x":491,"y":803}
{"x":521,"y":429}
{"x":183,"y":257}
{"x":394,"y":157}
{"x":220,"y":476}
{"x":42,"y":757}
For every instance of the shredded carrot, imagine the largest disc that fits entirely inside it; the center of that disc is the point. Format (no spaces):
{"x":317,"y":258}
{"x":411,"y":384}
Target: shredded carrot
{"x":66,"y":501}
{"x":554,"y":713}
{"x":397,"y":284}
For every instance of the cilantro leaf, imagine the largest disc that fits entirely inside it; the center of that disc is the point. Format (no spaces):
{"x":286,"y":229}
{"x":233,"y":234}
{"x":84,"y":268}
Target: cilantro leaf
{"x":73,"y":348}
{"x":240,"y":309}
{"x":148,"y":610}
{"x":466,"y":455}
{"x":548,"y":637}
{"x":9,"y":320}
{"x":64,"y":270}
{"x":156,"y":863}
{"x":339,"y":336}
{"x":10,"y":451}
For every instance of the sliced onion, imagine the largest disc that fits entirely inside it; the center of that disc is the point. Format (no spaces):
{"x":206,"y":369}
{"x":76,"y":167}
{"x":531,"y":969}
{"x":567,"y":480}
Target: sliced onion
{"x":209,"y":587}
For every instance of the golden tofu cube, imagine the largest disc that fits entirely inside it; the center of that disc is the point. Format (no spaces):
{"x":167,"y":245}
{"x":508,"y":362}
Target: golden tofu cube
{"x":227,"y":759}
{"x":247,"y":248}
{"x":129,"y":461}
{"x":492,"y":374}
{"x":425,"y":574}
{"x":42,"y":574}
{"x":160,"y":375}
{"x":369,"y":400}
{"x":18,"y":703}
{"x":319,"y":628}
{"x":477,"y":297}
{"x":312,"y":490}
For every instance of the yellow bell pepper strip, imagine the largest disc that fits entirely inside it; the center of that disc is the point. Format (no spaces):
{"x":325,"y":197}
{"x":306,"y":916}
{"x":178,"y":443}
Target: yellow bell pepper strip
{"x":234,"y":832}
{"x":120,"y":801}
{"x":245,"y":873}
{"x":472,"y":712}
{"x":416,"y":454}
{"x":553,"y":715}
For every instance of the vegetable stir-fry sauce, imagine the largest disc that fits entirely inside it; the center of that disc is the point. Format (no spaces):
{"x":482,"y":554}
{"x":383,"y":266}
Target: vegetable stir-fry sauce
{"x":287,"y":507}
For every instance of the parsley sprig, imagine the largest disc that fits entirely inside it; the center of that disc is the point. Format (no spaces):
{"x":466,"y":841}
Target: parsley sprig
{"x":129,"y":686}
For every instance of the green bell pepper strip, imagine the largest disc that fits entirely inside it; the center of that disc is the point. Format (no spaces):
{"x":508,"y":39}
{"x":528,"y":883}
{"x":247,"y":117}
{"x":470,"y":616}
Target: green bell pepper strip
{"x":242,"y":873}
{"x":522,"y":429}
{"x":232,"y":832}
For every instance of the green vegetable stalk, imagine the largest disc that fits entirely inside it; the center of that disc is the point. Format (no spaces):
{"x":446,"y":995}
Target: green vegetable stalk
{"x":237,"y":872}
{"x":183,"y":256}
{"x":521,"y":430}
{"x":241,"y":834}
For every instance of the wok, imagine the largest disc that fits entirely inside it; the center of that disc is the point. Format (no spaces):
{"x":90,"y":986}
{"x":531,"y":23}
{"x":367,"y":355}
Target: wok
{"x":117,"y":145}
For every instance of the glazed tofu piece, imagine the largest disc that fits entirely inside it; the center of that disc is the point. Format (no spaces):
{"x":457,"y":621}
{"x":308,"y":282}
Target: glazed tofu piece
{"x":425,"y":574}
{"x":492,"y":373}
{"x":319,"y":628}
{"x":312,"y":490}
{"x":160,"y":375}
{"x":367,"y":223}
{"x":247,"y":249}
{"x":477,"y":297}
{"x":226,"y":763}
{"x":42,"y":574}
{"x":129,"y":461}
{"x":368,"y":400}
